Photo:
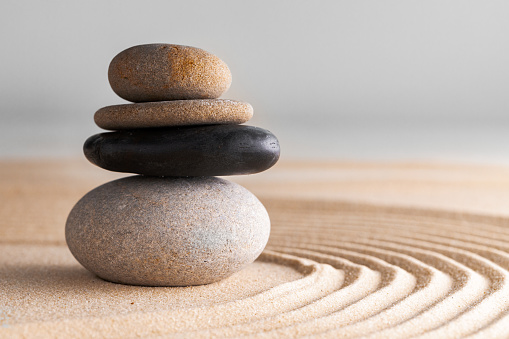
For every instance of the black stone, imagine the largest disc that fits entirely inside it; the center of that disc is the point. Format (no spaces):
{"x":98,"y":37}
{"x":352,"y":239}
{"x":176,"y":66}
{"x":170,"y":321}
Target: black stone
{"x":213,"y":150}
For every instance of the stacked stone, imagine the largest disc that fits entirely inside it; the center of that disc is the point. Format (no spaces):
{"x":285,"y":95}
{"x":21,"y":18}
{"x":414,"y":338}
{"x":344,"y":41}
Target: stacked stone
{"x":176,"y":224}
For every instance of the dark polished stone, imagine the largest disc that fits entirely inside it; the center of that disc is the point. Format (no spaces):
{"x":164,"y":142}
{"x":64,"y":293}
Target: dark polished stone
{"x":212,"y":150}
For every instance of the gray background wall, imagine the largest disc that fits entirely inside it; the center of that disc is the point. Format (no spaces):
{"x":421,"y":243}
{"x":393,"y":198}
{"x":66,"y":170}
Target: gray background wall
{"x":332,"y":79}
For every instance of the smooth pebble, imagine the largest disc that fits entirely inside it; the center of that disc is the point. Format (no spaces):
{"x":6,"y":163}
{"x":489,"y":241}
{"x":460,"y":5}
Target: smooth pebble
{"x":159,"y":72}
{"x":214,"y":150}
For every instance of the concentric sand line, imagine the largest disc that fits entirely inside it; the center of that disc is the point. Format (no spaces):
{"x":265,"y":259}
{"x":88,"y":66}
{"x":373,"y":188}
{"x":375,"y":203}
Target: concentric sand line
{"x":331,"y":270}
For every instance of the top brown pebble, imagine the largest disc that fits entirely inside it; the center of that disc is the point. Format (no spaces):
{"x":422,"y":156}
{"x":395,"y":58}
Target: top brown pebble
{"x":159,"y":72}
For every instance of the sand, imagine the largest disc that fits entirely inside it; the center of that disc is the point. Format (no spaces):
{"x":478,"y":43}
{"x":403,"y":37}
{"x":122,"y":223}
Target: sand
{"x":356,"y":250}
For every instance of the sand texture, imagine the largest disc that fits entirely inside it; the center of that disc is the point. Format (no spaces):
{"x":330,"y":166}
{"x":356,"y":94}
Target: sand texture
{"x":356,"y":250}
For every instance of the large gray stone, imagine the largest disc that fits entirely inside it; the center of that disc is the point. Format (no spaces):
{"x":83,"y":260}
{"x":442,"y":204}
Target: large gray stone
{"x":167,"y":231}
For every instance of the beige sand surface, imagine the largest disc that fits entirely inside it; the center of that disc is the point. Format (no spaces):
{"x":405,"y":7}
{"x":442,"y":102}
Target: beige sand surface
{"x":356,"y":250}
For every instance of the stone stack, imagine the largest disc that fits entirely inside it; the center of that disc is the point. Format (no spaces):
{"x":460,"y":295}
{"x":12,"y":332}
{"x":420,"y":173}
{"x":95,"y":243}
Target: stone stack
{"x":175,"y":224}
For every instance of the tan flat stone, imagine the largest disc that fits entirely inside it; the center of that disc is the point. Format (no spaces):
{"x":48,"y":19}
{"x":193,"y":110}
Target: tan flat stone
{"x":173,"y":113}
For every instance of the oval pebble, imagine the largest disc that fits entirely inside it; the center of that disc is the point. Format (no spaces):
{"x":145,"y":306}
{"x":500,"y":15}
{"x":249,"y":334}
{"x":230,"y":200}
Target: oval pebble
{"x":173,"y":113}
{"x":159,"y":72}
{"x":167,"y":231}
{"x":213,"y":150}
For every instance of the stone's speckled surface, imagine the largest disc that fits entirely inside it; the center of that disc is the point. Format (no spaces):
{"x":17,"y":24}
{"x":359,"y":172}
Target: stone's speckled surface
{"x":173,"y":113}
{"x":158,"y":72}
{"x":185,"y":151}
{"x":167,"y":231}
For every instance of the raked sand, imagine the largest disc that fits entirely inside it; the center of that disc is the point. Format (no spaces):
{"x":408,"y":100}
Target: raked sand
{"x":356,"y":250}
